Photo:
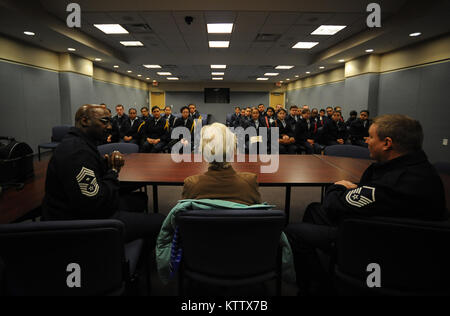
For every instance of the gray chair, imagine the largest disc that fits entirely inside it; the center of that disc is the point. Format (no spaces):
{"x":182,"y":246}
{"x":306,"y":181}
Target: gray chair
{"x":37,"y":257}
{"x":228,"y":119}
{"x":227,"y":249}
{"x":350,"y":151}
{"x":58,"y":133}
{"x":412,"y":256}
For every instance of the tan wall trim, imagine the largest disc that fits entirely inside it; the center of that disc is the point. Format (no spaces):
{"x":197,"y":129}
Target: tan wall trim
{"x":331,"y":76}
{"x":421,"y":54}
{"x":199,"y":86}
{"x":72,"y":63}
{"x":21,"y":53}
{"x":14,"y":51}
{"x":105,"y":75}
{"x":363,"y":65}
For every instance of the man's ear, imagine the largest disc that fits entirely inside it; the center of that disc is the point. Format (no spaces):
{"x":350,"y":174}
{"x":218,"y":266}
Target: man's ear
{"x":85,"y":121}
{"x":388,"y":143}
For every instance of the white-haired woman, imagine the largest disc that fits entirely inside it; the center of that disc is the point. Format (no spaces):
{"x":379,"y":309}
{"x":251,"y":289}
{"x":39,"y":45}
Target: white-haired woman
{"x":221,"y":181}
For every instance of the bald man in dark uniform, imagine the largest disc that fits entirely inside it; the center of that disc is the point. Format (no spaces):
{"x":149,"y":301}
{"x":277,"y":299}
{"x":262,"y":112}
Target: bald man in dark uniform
{"x":83,"y":185}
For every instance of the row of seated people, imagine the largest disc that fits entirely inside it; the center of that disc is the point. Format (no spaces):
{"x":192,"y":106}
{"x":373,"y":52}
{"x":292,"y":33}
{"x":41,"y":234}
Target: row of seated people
{"x":305,"y":130}
{"x":152,"y":132}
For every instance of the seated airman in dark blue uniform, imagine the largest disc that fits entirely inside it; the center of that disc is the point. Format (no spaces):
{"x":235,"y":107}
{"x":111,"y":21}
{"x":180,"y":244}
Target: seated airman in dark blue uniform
{"x":82,"y":185}
{"x":400,"y":184}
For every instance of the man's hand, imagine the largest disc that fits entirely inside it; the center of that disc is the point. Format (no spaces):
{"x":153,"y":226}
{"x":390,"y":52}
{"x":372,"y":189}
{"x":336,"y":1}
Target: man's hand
{"x":311,"y":141}
{"x":347,"y":184}
{"x":115,"y":161}
{"x":156,"y":141}
{"x":127,"y":138}
{"x":150,"y":141}
{"x":291,"y":140}
{"x":340,"y":141}
{"x":109,"y":139}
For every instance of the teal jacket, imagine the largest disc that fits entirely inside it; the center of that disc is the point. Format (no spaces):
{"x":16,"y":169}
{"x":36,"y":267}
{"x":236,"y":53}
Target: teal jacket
{"x":165,"y":237}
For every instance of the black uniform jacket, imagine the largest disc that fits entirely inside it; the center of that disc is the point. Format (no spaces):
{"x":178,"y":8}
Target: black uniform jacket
{"x":179,"y":122}
{"x":404,"y":187}
{"x":133,"y":130}
{"x":79,"y":185}
{"x":284,"y":130}
{"x":302,"y":132}
{"x":120,"y":127}
{"x":357,"y":129}
{"x":155,"y":129}
{"x":333,"y":131}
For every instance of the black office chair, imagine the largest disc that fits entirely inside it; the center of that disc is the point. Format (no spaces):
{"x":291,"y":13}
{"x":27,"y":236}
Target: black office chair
{"x":442,"y":167}
{"x":226,"y":249}
{"x":37,"y":257}
{"x":58,"y":133}
{"x":412,"y":256}
{"x":350,"y":151}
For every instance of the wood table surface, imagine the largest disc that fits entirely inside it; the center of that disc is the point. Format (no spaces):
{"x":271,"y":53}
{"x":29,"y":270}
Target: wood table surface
{"x":15,"y":204}
{"x":159,"y":169}
{"x":294,"y":170}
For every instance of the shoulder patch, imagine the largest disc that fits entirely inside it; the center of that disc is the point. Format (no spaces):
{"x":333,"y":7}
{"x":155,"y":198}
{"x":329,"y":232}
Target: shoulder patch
{"x":87,"y":182}
{"x":361,"y":197}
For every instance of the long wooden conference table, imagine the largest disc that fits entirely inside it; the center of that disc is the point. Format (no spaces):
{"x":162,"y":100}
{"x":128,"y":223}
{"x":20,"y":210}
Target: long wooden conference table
{"x":159,"y":169}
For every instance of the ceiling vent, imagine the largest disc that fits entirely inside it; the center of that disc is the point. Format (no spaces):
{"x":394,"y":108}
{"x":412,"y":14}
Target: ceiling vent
{"x":267,"y":38}
{"x":138,"y":28}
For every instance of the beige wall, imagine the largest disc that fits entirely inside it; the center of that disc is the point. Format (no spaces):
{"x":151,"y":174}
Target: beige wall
{"x":432,"y":51}
{"x":22,"y":53}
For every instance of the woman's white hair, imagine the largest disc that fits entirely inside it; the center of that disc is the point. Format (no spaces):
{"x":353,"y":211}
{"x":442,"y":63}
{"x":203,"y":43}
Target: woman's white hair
{"x":218,"y":145}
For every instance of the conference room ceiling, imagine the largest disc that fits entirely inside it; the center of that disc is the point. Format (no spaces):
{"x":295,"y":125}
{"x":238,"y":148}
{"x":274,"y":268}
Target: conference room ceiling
{"x":262,"y":38}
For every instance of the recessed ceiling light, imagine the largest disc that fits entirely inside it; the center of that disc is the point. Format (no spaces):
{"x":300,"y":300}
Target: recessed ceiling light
{"x":139,"y":75}
{"x":220,"y":27}
{"x":116,"y":66}
{"x":305,"y":45}
{"x":129,"y":71}
{"x":111,"y":28}
{"x":288,"y":79}
{"x":308,"y":72}
{"x":172,"y":78}
{"x":271,"y":74}
{"x":131,"y":43}
{"x":164,"y":73}
{"x":70,"y":49}
{"x":328,"y":29}
{"x":281,"y":81}
{"x":369,"y":50}
{"x":217,"y":78}
{"x":341,"y":60}
{"x":147,"y":78}
{"x":284,"y":67}
{"x":262,"y":78}
{"x":218,"y":66}
{"x":98,"y":59}
{"x":321,"y":67}
{"x":29,"y":33}
{"x":219,"y":44}
{"x":217,"y":73}
{"x":296,"y":76}
{"x":152,"y":66}
{"x":415,"y":34}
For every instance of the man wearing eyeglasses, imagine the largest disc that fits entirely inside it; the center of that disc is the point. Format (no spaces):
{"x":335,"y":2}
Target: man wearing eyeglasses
{"x":83,"y":185}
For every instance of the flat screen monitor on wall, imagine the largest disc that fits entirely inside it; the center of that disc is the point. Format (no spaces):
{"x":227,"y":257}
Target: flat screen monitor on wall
{"x":217,"y":95}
